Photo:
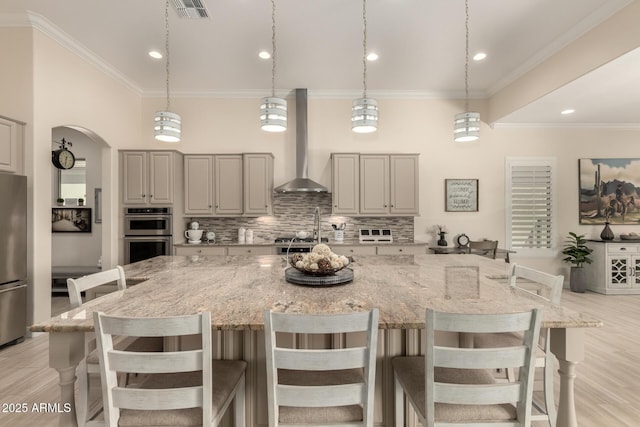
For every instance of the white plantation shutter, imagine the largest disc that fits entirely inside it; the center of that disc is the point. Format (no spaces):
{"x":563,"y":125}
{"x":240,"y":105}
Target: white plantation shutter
{"x":530,"y":204}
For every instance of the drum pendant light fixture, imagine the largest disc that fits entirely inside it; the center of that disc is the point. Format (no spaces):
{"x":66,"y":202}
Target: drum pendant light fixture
{"x":167,"y":124}
{"x":273,"y":110}
{"x":466,"y":126}
{"x":364,"y":111}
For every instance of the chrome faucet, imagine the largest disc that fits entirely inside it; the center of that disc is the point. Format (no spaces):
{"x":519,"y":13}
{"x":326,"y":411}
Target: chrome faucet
{"x":316,"y":225}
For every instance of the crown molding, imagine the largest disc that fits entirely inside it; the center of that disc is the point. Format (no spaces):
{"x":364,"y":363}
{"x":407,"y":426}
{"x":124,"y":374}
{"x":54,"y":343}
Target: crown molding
{"x":46,"y":27}
{"x":622,"y":126}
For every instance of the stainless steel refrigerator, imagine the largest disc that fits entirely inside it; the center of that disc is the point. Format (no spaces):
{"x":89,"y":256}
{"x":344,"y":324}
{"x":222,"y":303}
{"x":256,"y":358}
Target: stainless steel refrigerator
{"x":13,"y":257}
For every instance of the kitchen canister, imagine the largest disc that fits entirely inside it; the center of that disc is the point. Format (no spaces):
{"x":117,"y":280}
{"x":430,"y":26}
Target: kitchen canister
{"x":241,"y":234}
{"x":248,"y":235}
{"x":338,"y":235}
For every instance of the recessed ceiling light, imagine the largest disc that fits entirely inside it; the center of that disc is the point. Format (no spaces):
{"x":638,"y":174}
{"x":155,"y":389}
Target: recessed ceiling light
{"x":479,"y":56}
{"x":155,"y":54}
{"x":264,"y":54}
{"x":568,"y":111}
{"x":372,"y":56}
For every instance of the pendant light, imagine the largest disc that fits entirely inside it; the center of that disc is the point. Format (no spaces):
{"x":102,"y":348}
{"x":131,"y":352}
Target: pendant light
{"x":167,"y":124}
{"x":466,"y":126}
{"x":273,"y":110}
{"x":364,"y":111}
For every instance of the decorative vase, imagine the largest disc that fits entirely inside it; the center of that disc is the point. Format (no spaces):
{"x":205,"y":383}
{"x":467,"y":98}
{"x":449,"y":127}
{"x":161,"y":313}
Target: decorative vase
{"x":607,"y":233}
{"x":442,"y":242}
{"x":577,"y":280}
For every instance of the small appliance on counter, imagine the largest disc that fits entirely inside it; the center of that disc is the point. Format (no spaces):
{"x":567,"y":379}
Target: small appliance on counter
{"x":193,"y":236}
{"x":375,"y":235}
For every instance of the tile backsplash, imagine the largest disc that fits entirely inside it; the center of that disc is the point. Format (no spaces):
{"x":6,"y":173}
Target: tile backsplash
{"x":294,"y":212}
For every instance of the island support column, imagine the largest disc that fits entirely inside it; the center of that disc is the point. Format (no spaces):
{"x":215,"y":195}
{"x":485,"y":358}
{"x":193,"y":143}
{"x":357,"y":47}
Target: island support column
{"x":568,"y":346}
{"x":66,"y":350}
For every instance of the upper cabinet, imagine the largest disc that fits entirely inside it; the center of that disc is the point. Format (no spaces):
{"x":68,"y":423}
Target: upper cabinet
{"x":10,"y":146}
{"x":228,"y":184}
{"x":375,"y":184}
{"x":258,"y":183}
{"x":345,"y":181}
{"x":148,"y":177}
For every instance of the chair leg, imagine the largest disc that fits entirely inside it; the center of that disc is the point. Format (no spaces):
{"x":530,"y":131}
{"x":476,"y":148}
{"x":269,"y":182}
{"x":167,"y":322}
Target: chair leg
{"x":398,"y":405}
{"x":239,"y":405}
{"x":549,"y":400}
{"x":82,"y":399}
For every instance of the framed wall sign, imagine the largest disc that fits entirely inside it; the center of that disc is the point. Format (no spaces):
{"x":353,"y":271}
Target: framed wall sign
{"x":461,"y":195}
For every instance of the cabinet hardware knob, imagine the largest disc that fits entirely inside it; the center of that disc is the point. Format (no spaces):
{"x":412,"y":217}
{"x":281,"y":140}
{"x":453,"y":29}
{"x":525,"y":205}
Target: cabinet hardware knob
{"x":385,"y":206}
{"x":144,"y":195}
{"x":209,"y":205}
{"x":248,"y":251}
{"x":400,"y":250}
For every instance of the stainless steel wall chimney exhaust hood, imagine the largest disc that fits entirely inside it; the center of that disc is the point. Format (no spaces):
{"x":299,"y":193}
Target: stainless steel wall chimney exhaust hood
{"x":301,"y":183}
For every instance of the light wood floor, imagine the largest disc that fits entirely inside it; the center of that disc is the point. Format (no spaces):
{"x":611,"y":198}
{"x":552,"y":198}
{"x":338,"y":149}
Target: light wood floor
{"x":607,"y":386}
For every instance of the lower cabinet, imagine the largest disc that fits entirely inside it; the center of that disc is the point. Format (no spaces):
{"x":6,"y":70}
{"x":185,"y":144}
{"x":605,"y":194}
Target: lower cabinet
{"x":402,"y":250}
{"x":200,"y":250}
{"x":615,"y":268}
{"x":251,"y":250}
{"x":347,"y":250}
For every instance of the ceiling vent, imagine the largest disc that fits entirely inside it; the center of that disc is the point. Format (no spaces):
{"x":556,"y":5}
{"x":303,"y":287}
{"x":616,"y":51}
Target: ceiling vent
{"x":191,"y":9}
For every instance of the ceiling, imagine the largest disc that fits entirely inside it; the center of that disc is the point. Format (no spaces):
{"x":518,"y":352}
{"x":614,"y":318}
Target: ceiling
{"x":421,"y":47}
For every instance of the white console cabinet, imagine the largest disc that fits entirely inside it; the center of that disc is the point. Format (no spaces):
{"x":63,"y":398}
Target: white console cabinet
{"x":615,"y":268}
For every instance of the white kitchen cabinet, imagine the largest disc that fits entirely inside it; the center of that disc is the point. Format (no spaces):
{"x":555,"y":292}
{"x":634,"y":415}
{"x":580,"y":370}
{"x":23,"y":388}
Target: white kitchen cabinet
{"x":251,"y":250}
{"x":11,"y":146}
{"x":403,"y":184}
{"x":200,"y":250}
{"x":401,"y":249}
{"x":198,"y":184}
{"x":348,"y":250}
{"x":345,"y":183}
{"x":258,"y":183}
{"x":615,"y":268}
{"x":147,"y":177}
{"x":228,"y":184}
{"x":375,"y":184}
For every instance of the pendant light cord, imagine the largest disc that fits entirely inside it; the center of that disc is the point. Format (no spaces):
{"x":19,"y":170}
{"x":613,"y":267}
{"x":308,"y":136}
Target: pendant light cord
{"x":466,"y":57}
{"x":166,"y":48}
{"x":273,"y":48}
{"x":364,"y":48}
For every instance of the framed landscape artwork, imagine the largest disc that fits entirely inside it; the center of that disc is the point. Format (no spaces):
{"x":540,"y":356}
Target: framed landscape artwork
{"x":71,"y":220}
{"x":609,"y":191}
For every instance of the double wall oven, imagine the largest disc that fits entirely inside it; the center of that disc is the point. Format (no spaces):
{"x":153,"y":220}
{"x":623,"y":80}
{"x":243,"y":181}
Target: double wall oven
{"x":148,"y":232}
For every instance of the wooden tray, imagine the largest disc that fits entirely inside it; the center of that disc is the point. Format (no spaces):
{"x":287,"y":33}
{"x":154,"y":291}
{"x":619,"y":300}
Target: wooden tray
{"x":297,"y":277}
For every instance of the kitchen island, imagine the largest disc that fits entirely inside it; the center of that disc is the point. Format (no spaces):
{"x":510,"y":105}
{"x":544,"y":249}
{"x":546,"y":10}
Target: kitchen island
{"x":236,"y":289}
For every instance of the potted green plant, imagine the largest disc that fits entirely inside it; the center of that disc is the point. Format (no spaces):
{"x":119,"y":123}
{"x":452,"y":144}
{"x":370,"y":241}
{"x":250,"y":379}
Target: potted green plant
{"x":80,"y":202}
{"x":577,"y":253}
{"x":60,"y":201}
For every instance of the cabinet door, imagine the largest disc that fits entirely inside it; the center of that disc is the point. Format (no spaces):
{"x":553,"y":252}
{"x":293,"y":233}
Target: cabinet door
{"x":198,"y":185}
{"x":228,"y":184}
{"x":134,"y":177}
{"x":618,"y":271}
{"x":374,"y":184}
{"x":161,"y":177}
{"x":9,"y":145}
{"x":345,"y":183}
{"x":404,"y":184}
{"x":258,"y":184}
{"x":635,"y":271}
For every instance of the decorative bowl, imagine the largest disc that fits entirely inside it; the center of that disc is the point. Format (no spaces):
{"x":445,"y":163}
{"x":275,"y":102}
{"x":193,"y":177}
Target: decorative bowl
{"x":302,"y":234}
{"x":324,"y":266}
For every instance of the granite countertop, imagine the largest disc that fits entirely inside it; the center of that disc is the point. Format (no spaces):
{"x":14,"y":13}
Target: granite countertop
{"x":237,"y":289}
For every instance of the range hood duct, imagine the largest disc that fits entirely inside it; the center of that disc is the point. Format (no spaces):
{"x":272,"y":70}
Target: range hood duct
{"x":301,"y":183}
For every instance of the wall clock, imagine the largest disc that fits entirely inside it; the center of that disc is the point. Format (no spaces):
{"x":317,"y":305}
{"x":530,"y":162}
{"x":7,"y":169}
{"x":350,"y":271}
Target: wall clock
{"x":62,"y":158}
